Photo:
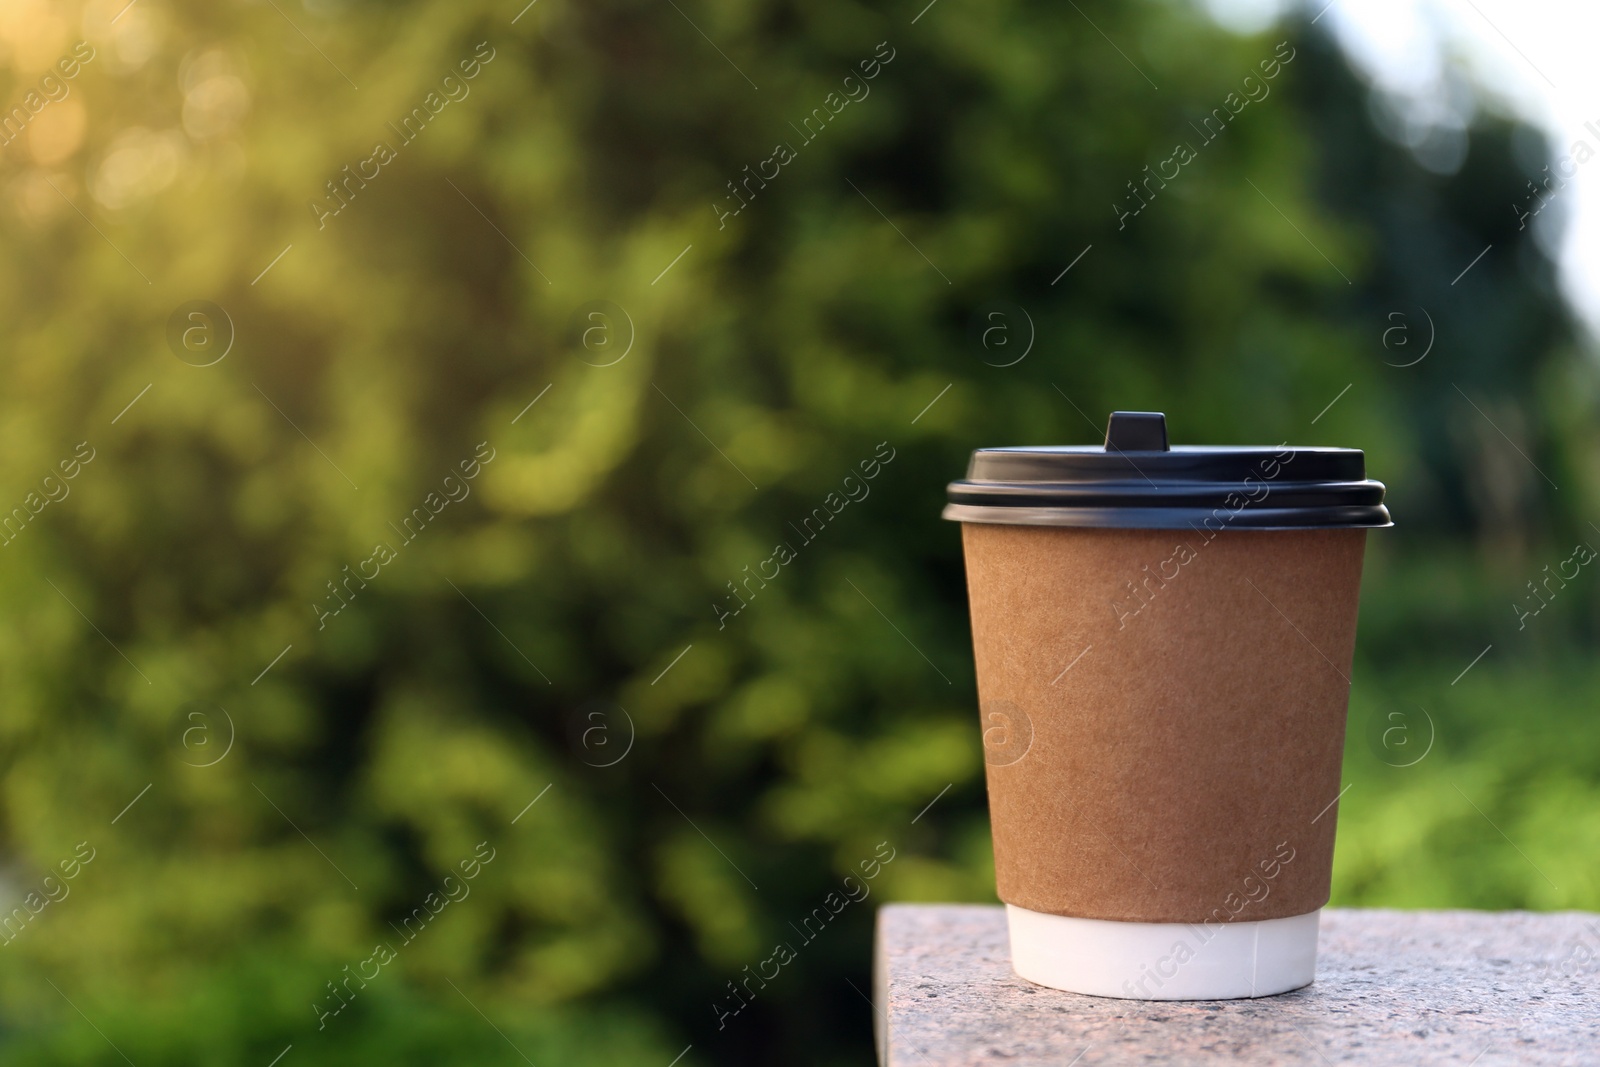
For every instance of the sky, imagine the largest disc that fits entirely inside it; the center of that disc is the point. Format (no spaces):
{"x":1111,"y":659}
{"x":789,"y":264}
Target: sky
{"x":1437,"y":61}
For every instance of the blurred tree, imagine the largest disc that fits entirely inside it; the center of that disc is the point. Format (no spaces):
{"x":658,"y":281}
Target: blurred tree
{"x":469,"y":540}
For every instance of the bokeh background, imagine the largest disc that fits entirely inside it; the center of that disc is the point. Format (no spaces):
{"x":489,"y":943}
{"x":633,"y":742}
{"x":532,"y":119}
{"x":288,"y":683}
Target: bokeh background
{"x":546,"y":288}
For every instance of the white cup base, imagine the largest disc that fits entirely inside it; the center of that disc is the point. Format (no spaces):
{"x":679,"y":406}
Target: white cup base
{"x":1164,"y":961}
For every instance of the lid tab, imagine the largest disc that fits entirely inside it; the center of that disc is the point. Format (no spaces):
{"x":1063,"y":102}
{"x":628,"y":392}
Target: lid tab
{"x":1137,"y":431}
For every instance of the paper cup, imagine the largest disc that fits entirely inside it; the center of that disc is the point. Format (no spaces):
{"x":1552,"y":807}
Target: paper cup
{"x":1162,"y":680}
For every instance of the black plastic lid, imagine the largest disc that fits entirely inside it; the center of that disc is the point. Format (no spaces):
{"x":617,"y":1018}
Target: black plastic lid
{"x":1137,"y":481}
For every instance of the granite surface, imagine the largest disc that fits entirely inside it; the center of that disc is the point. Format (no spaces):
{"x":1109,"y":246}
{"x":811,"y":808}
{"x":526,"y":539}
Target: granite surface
{"x":1471,"y":989}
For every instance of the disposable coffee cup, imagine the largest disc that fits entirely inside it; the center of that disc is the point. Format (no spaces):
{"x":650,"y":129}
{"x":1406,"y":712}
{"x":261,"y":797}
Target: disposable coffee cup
{"x":1163,"y":639}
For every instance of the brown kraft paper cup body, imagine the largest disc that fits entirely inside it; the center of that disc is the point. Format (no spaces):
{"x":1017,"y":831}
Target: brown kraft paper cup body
{"x":1164,"y":774}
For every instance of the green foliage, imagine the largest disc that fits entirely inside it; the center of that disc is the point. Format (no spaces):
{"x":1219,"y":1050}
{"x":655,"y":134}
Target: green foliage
{"x":182,"y":594}
{"x":1500,"y":814}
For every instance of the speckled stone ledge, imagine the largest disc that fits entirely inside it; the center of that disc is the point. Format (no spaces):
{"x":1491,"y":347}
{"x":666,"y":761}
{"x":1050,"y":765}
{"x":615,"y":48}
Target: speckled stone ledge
{"x":1465,"y":988}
